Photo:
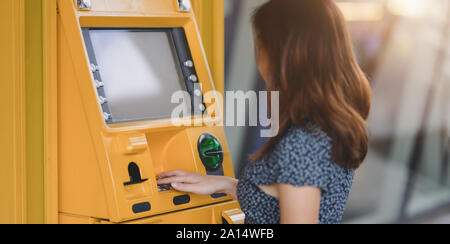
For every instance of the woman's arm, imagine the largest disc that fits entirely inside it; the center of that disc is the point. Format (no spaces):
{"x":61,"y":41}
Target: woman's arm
{"x":299,"y":205}
{"x":199,"y":184}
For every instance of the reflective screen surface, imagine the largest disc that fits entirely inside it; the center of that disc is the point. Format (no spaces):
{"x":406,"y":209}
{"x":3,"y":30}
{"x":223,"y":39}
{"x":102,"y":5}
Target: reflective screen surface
{"x":140,"y":72}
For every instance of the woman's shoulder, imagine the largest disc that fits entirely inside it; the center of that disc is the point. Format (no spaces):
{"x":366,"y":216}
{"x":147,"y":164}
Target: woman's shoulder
{"x":304,"y":157}
{"x":308,"y":140}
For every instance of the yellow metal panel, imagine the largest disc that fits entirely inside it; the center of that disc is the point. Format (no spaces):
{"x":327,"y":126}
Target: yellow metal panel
{"x":12,"y":108}
{"x":211,"y":22}
{"x":34,"y":111}
{"x":50,"y":111}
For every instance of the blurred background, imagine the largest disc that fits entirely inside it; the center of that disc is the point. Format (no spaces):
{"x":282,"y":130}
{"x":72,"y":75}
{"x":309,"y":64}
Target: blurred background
{"x":404,"y":48}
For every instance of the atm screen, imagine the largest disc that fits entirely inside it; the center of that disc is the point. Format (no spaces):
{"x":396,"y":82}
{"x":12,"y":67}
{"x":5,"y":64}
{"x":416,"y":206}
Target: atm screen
{"x":139,"y":70}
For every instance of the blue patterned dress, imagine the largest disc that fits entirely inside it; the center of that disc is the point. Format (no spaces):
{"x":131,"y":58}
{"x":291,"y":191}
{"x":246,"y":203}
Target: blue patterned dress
{"x":301,"y":158}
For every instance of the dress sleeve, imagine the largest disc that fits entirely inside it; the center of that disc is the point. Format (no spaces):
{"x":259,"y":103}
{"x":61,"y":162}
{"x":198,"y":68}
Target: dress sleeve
{"x":304,"y":165}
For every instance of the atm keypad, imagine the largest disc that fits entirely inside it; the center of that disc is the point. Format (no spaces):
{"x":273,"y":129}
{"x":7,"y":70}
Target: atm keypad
{"x":166,"y":187}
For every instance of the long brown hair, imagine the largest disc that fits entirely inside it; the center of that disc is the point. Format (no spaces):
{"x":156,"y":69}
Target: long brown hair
{"x":312,"y":65}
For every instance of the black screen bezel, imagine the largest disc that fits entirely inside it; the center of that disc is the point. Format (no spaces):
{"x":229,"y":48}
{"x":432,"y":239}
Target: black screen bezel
{"x":183,"y":53}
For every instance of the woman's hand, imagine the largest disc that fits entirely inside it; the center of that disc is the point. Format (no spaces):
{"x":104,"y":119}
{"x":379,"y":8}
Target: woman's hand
{"x":199,"y":184}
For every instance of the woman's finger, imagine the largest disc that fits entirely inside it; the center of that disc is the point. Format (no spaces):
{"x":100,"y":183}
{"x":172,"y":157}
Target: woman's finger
{"x":185,"y":187}
{"x":172,"y":173}
{"x":171,"y":179}
{"x":177,"y":179}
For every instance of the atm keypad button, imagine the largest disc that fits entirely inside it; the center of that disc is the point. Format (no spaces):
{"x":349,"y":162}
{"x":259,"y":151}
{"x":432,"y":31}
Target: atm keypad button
{"x":180,"y":200}
{"x":102,"y":100}
{"x":94,"y":68}
{"x":189,"y":64}
{"x":106,"y":116}
{"x":193,"y":78}
{"x":141,"y":207}
{"x":202,"y":107}
{"x":162,"y":188}
{"x":98,"y":84}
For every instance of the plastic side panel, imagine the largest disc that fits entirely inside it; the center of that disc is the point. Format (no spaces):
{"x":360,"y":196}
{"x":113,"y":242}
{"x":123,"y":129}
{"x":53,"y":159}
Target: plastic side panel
{"x":81,"y":188}
{"x":211,"y":22}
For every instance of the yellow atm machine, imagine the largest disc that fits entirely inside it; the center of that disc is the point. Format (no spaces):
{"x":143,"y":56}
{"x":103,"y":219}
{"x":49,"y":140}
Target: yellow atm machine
{"x":119,"y":63}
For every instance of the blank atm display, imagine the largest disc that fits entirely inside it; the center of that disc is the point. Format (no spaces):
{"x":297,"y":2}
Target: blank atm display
{"x":140,"y":72}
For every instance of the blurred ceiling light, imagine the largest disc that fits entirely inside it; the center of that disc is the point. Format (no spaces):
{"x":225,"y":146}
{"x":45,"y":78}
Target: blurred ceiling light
{"x":362,"y":11}
{"x":407,"y":8}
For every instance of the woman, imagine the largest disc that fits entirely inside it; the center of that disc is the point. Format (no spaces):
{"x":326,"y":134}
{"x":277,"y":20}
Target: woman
{"x":304,"y":174}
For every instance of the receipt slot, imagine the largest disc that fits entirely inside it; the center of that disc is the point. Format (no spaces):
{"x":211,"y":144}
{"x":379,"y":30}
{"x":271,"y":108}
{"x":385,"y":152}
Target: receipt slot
{"x":119,"y":63}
